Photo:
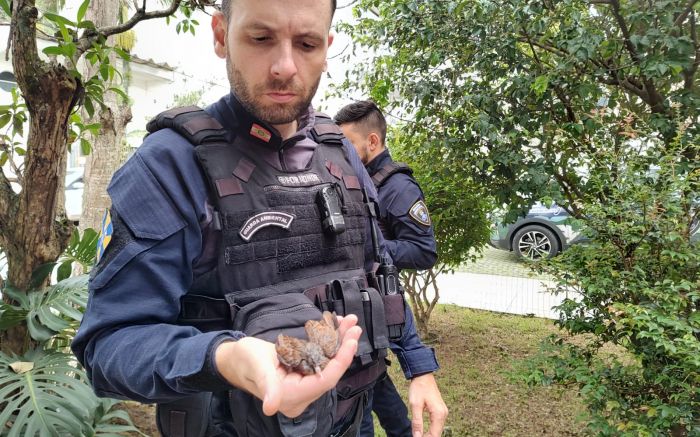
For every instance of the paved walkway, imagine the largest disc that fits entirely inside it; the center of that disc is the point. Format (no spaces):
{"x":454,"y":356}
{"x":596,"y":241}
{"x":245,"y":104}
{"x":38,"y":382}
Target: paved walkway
{"x":506,"y":294}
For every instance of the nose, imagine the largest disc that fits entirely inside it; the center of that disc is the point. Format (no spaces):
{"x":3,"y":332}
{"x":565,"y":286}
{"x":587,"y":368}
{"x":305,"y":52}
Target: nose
{"x":284,"y":67}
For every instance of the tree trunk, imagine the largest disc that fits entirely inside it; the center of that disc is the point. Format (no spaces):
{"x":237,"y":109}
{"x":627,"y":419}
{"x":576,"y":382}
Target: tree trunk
{"x":417,"y":285}
{"x":34,"y":236}
{"x":106,"y":155}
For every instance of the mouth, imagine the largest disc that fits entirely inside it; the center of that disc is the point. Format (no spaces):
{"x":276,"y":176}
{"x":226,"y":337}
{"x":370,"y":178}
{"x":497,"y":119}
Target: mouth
{"x":280,"y":96}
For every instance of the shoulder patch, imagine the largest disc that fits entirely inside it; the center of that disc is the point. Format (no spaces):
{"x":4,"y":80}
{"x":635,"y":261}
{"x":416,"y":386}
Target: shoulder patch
{"x":264,"y":219}
{"x":419,"y":213}
{"x":105,"y":235}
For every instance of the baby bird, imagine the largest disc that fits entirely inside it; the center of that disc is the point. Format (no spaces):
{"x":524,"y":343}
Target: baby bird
{"x":312,"y":356}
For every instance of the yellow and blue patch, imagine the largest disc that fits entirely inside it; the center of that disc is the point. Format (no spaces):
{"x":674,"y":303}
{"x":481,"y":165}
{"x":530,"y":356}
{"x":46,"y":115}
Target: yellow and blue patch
{"x":105,"y":235}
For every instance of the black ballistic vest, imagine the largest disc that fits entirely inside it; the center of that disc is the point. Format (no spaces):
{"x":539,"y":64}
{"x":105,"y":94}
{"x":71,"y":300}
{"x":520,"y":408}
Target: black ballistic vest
{"x":277,"y":267}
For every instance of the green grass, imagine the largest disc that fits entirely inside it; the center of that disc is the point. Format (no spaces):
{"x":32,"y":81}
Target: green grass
{"x":477,"y":351}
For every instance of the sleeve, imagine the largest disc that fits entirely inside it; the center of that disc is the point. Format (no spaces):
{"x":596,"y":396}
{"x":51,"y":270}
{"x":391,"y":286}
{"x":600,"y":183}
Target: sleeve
{"x":412,"y":243}
{"x":128,"y":340}
{"x":414,"y":357}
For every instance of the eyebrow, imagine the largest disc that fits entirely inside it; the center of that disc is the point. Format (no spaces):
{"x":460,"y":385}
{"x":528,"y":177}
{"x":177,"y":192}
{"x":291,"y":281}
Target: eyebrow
{"x":264,"y":27}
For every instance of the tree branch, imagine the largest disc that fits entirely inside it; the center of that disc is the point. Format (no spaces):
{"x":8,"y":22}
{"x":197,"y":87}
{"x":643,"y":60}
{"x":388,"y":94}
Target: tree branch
{"x":8,"y":202}
{"x":689,"y":75}
{"x":688,"y":9}
{"x":91,"y":35}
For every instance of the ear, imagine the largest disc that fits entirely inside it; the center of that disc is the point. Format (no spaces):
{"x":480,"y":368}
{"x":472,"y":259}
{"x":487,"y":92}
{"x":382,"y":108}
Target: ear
{"x":374,"y":141}
{"x":331,"y":36}
{"x":218,"y":27}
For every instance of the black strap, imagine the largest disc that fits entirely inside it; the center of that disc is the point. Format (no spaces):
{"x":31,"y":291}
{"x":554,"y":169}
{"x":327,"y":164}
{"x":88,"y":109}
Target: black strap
{"x":346,"y":294}
{"x":380,"y":333}
{"x":192,"y":122}
{"x":385,"y":172}
{"x":326,"y":131}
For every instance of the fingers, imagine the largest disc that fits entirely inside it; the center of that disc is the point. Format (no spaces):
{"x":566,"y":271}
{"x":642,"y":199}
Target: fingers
{"x":346,"y":323}
{"x":437,"y":421}
{"x":272,"y":393}
{"x":417,"y":420}
{"x":340,"y":363}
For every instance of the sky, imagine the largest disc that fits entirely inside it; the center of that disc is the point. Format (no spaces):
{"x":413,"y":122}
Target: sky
{"x":193,"y":56}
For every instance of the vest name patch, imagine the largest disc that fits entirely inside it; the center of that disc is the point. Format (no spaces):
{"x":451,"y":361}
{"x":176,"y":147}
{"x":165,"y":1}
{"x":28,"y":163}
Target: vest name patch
{"x":302,"y":180}
{"x":264,"y":219}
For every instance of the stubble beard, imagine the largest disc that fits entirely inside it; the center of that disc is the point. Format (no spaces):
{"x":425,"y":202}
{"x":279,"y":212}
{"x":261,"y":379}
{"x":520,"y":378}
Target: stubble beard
{"x":272,"y":113}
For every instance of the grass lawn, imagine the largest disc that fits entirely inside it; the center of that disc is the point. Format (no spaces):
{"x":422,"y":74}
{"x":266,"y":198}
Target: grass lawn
{"x":477,"y":350}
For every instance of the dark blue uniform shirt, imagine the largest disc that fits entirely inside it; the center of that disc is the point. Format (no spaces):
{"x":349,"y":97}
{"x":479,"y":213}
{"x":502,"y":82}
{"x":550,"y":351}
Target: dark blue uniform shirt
{"x":409,"y":240}
{"x":129,"y":340}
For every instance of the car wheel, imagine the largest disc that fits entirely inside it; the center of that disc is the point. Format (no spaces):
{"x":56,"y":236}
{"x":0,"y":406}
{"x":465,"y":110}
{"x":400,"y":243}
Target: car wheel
{"x":535,"y":243}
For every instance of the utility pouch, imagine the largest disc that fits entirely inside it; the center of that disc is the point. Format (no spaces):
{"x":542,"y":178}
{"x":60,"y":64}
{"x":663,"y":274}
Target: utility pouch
{"x":346,"y":297}
{"x":185,"y":417}
{"x":266,"y":318}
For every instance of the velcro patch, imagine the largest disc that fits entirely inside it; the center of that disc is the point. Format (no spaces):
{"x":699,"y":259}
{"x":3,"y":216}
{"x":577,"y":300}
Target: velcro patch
{"x":302,"y":180}
{"x":264,"y":219}
{"x":419,"y":213}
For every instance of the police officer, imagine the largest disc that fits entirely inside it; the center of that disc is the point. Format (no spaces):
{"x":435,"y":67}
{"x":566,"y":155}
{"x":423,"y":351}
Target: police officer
{"x":172,"y":230}
{"x":407,"y":227}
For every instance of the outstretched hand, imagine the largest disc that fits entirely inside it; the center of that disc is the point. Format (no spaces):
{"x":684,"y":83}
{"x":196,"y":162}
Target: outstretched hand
{"x":251,"y":364}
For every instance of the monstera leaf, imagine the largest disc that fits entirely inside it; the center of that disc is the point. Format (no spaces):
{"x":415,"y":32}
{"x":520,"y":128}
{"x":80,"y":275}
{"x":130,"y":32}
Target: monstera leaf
{"x":44,"y":394}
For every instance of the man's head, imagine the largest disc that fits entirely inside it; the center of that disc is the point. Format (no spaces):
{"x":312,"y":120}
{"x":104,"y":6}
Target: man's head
{"x":275,"y":53}
{"x":364,"y":125}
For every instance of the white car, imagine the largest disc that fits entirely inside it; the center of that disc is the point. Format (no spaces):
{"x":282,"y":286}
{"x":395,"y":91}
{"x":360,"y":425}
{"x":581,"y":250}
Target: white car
{"x":74,"y":193}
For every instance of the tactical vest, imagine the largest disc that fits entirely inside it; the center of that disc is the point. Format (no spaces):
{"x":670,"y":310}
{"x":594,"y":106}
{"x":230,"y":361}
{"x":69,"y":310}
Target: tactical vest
{"x":385,"y":172}
{"x":278,"y":266}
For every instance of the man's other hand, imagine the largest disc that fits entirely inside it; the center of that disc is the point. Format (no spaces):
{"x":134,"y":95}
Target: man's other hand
{"x":424,"y":395}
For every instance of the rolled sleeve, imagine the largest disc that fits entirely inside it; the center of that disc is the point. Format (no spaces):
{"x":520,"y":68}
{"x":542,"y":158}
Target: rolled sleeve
{"x":417,"y":362}
{"x":414,"y":357}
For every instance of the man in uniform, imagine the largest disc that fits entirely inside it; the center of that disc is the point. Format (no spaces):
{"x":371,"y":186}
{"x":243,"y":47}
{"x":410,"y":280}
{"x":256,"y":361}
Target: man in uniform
{"x":174,"y":232}
{"x":405,"y":223}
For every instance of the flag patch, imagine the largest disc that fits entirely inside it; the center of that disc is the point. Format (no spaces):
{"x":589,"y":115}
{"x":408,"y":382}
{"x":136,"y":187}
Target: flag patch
{"x":105,"y":235}
{"x":260,"y":133}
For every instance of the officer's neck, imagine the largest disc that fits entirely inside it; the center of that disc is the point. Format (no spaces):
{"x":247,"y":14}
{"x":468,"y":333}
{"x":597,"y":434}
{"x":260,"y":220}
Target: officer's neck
{"x":287,"y":130}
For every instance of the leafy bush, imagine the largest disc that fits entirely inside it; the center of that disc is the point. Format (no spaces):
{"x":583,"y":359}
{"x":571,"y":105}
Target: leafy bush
{"x":636,"y":287}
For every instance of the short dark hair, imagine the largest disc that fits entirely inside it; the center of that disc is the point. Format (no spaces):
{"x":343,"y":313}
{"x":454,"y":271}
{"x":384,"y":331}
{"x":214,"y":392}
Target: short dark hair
{"x":365,"y":113}
{"x":226,"y":8}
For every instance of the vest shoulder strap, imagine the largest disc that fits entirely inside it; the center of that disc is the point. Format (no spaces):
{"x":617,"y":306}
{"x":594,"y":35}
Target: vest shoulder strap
{"x":385,"y":172}
{"x":192,"y":122}
{"x":325,"y":131}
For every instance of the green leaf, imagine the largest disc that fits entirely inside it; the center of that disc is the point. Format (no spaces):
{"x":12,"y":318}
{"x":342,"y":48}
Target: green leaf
{"x":54,"y":51}
{"x":85,"y":147}
{"x":4,"y":119}
{"x":89,"y":108}
{"x":40,"y":275}
{"x":59,"y":19}
{"x":121,"y":93}
{"x":82,"y":9}
{"x":52,"y":398}
{"x":64,"y":270}
{"x":20,"y":151}
{"x":3,"y":158}
{"x":5,"y":6}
